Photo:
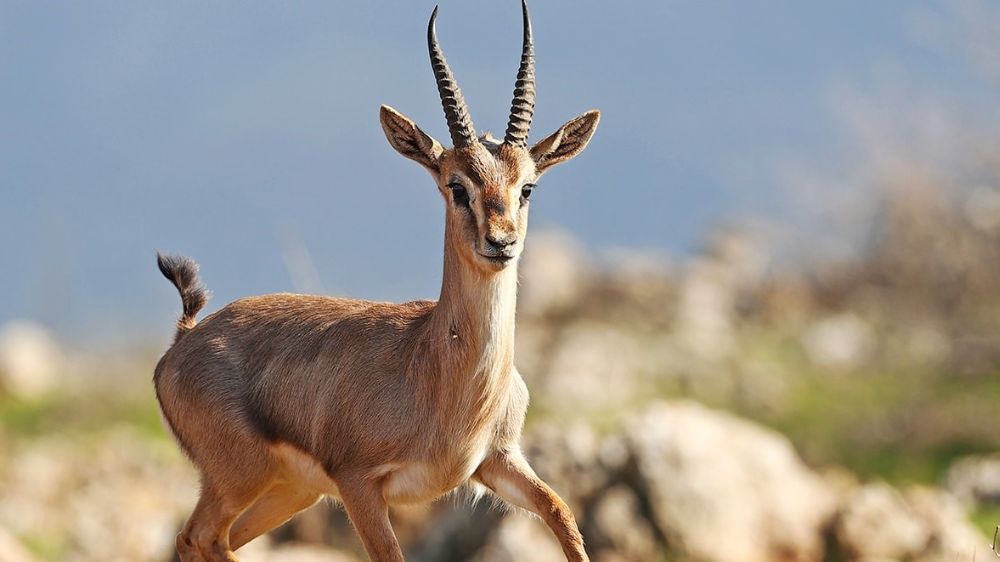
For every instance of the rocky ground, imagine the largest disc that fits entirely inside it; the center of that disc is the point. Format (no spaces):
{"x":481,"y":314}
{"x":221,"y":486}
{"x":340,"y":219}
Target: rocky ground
{"x":678,"y":478}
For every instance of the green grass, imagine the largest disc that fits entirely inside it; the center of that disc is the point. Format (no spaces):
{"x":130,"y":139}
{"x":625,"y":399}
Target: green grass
{"x":986,"y":518}
{"x":45,"y":547}
{"x":80,"y":414}
{"x":26,"y":417}
{"x":904,"y":428}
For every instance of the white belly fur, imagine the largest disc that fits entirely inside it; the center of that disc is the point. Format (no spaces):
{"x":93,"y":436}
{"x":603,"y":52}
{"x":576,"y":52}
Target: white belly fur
{"x":419,"y":482}
{"x":406,"y":483}
{"x":304,"y":469}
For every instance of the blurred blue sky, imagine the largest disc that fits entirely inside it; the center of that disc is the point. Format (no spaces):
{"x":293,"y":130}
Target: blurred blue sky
{"x":243,"y":133}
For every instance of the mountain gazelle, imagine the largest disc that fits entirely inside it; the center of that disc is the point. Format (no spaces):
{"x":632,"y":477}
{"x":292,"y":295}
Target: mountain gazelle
{"x":282,"y":399}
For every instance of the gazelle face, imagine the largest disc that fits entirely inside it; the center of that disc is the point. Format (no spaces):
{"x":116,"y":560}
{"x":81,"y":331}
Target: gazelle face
{"x":487,"y":188}
{"x":486,"y":183}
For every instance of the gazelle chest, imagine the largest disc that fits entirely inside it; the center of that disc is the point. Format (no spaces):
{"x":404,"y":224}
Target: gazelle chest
{"x":458,"y":438}
{"x":430,"y":478}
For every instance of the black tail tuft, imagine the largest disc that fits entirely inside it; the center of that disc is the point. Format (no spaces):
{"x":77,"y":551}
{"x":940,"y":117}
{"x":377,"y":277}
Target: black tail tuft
{"x":183,"y":273}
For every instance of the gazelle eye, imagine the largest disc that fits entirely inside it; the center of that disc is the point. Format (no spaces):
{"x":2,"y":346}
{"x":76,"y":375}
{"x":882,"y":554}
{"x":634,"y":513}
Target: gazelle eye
{"x":526,"y":191}
{"x":459,"y":194}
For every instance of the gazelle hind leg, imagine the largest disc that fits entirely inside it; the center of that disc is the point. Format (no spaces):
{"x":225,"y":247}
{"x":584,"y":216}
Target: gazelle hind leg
{"x":279,"y":504}
{"x":236,"y":469}
{"x":205,"y":536}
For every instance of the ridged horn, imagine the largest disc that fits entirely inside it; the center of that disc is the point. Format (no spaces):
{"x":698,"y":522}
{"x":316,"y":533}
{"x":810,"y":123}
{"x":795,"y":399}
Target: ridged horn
{"x":523,"y":105}
{"x":455,"y":111}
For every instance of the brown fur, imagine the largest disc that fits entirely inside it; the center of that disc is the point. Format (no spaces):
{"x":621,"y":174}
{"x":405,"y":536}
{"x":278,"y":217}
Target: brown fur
{"x":281,"y":399}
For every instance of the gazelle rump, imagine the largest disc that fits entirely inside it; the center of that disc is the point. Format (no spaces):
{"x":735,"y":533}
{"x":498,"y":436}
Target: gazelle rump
{"x":282,"y":399}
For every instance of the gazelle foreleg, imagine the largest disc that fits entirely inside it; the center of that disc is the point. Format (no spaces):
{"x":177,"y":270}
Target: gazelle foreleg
{"x":509,"y":476}
{"x":369,"y":513}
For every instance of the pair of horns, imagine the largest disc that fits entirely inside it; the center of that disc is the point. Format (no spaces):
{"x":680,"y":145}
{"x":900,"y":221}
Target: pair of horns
{"x":463,"y":133}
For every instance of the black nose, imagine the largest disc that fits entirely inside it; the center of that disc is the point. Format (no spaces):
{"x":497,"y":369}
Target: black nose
{"x":501,"y":243}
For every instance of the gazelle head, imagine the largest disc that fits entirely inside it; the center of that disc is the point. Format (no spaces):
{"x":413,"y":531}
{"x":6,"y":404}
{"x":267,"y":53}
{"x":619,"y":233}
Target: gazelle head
{"x":487,"y":182}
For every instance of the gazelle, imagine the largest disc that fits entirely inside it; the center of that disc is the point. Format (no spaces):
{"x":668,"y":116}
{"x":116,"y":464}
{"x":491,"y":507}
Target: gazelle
{"x":282,"y":399}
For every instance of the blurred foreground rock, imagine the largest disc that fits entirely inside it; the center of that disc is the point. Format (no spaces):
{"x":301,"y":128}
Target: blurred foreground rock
{"x":721,"y":488}
{"x":116,"y":501}
{"x":877,"y":522}
{"x":975,"y":479}
{"x":679,"y":480}
{"x":924,"y":525}
{"x":618,"y":530}
{"x":704,"y":485}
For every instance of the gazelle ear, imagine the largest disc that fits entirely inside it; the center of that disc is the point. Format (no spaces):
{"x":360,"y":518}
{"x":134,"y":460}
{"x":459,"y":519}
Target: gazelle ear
{"x":408,"y":140}
{"x":565,"y":143}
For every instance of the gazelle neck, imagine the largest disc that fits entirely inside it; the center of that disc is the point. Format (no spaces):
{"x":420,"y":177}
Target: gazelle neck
{"x":475,"y":312}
